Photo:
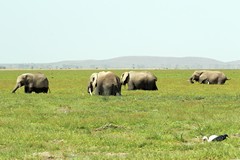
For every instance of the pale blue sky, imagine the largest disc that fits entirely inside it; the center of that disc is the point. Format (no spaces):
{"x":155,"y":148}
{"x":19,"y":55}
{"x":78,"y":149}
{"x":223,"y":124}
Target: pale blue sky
{"x":33,"y":31}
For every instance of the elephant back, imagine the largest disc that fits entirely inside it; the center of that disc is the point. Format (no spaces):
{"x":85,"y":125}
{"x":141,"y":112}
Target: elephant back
{"x":144,"y":75}
{"x":108,"y":77}
{"x":40,"y":80}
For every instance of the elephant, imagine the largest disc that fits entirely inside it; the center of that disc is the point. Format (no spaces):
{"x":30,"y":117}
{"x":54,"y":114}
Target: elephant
{"x":32,"y":83}
{"x":104,"y":83}
{"x":208,"y":77}
{"x":143,"y":80}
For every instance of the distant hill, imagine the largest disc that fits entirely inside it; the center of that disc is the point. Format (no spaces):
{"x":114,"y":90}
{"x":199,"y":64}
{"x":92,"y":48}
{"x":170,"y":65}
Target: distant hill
{"x":137,"y":62}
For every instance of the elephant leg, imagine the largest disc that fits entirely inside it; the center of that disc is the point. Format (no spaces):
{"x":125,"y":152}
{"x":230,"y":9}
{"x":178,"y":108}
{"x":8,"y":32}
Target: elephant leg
{"x":118,"y":90}
{"x":108,"y":93}
{"x":37,"y":90}
{"x":144,"y":86}
{"x":111,"y":90}
{"x":108,"y":90}
{"x":45,"y":90}
{"x":115,"y":91}
{"x":154,"y":86}
{"x":41,"y":90}
{"x":97,"y":91}
{"x":28,"y":89}
{"x":221,"y":82}
{"x":149,"y":85}
{"x":131,"y":86}
{"x":205,"y":81}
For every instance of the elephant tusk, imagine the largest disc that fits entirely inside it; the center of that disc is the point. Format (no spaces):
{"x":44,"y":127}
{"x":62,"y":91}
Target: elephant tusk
{"x":90,"y":91}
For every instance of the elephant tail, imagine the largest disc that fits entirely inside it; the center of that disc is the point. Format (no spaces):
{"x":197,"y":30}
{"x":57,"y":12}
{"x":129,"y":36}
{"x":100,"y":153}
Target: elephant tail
{"x":115,"y":90}
{"x":155,"y":87}
{"x":49,"y":91}
{"x":155,"y":78}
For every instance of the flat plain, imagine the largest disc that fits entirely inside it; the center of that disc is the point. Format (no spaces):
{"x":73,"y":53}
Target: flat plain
{"x":68,"y":123}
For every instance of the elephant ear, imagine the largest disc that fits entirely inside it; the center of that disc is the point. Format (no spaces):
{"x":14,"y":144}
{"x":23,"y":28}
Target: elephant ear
{"x":199,"y":73}
{"x":93,"y":79}
{"x":204,"y":78}
{"x":125,"y":78}
{"x":29,"y":79}
{"x":22,"y":79}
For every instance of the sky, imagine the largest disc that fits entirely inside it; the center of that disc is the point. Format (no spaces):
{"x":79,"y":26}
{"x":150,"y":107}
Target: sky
{"x":48,"y":31}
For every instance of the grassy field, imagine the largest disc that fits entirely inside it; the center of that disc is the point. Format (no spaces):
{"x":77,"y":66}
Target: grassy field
{"x":165,"y":124}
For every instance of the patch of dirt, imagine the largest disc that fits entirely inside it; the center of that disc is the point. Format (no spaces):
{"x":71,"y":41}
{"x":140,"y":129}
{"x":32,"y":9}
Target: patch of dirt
{"x":47,"y":156}
{"x":108,"y":126}
{"x":64,"y":109}
{"x":44,"y":155}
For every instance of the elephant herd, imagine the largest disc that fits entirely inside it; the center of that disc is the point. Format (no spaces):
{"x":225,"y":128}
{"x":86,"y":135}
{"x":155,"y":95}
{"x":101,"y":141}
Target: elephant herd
{"x":108,"y":83}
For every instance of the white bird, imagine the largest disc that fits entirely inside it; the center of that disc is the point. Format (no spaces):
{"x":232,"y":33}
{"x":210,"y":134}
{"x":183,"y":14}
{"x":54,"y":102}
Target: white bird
{"x":215,"y":138}
{"x":212,"y":137}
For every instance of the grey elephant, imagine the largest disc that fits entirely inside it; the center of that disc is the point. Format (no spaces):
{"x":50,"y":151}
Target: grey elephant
{"x":139,"y":80}
{"x":208,"y":77}
{"x":104,"y":83}
{"x":32,"y":83}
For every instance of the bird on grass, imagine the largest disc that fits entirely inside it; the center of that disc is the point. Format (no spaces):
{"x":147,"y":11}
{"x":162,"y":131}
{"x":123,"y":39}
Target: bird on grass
{"x":214,"y":138}
{"x":210,"y":139}
{"x":220,"y":138}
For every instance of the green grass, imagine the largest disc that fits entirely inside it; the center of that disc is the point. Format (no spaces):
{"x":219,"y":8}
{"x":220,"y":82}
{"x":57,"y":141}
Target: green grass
{"x":165,"y":124}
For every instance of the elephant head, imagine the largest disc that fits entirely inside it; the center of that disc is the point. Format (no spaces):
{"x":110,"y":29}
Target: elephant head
{"x":195,"y":76}
{"x":125,"y":78}
{"x":23,"y":80}
{"x":92,"y":83}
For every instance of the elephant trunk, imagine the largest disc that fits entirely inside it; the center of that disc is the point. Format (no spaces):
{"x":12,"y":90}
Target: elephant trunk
{"x":90,"y":88}
{"x":16,"y":87}
{"x":123,"y":82}
{"x":191,"y":80}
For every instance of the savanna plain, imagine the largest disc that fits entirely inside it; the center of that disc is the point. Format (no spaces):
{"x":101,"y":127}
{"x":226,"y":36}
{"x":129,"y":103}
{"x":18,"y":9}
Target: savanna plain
{"x":68,"y":123}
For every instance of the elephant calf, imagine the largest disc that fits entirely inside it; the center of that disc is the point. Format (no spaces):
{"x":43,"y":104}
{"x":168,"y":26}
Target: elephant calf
{"x":104,"y":83}
{"x":208,"y":77}
{"x":139,"y":80}
{"x":32,"y":82}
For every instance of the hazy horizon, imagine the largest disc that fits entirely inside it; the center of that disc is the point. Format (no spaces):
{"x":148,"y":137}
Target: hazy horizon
{"x":66,"y":60}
